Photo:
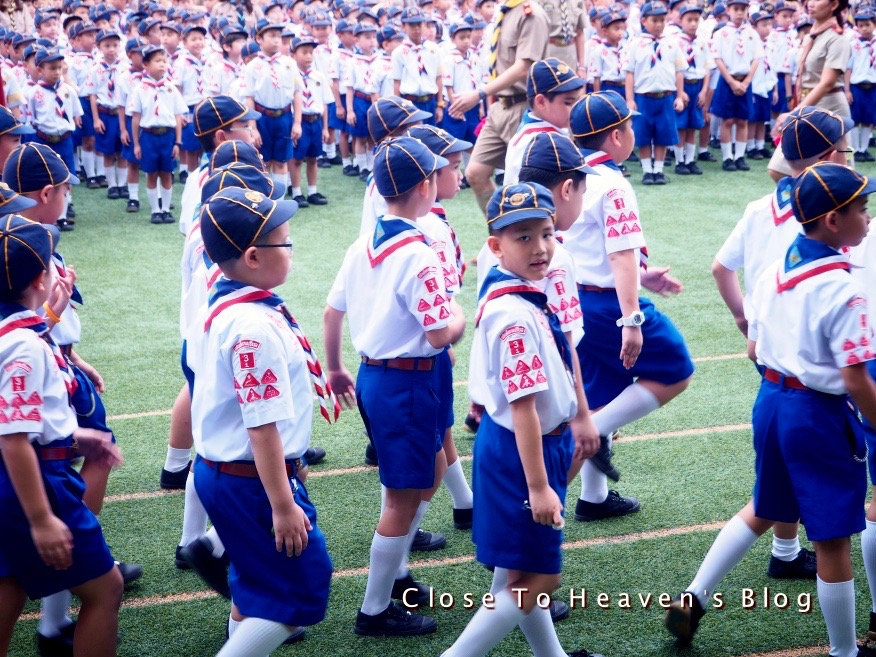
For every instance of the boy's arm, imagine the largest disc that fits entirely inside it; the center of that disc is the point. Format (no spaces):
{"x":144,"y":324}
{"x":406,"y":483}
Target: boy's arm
{"x":123,"y":129}
{"x":625,"y":269}
{"x":545,"y":504}
{"x":135,"y":129}
{"x":439,"y":110}
{"x":89,"y":369}
{"x":861,"y":389}
{"x":290,"y":522}
{"x":629,"y":84}
{"x":296,"y":115}
{"x":177,"y":135}
{"x":848,"y":85}
{"x":731,"y":292}
{"x":584,"y":431}
{"x":98,"y":124}
{"x":52,"y":538}
{"x":680,"y":97}
{"x":338,"y":377}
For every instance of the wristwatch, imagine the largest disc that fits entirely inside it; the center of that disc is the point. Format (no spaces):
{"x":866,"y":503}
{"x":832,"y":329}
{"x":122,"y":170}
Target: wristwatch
{"x":635,"y":319}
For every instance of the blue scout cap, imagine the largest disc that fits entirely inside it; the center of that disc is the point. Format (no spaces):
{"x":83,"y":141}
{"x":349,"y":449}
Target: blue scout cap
{"x":825,"y":187}
{"x":233,"y":32}
{"x":219,"y":112}
{"x":655,"y":8}
{"x":388,"y":33}
{"x":46,"y":44}
{"x":615,"y":17}
{"x":460,"y":25}
{"x":347,"y":9}
{"x":251,"y":48}
{"x":30,"y":51}
{"x":810,"y":131}
{"x":364,"y":28}
{"x":144,"y":26}
{"x":319,"y":19}
{"x":515,"y":203}
{"x":232,"y":151}
{"x":864,"y":13}
{"x":32,"y":166}
{"x":47,"y":56}
{"x":403,"y":163}
{"x":9,"y":125}
{"x":554,"y":151}
{"x":42,"y":16}
{"x":475,"y":20}
{"x":689,"y":9}
{"x":235,"y":218}
{"x":23,"y":40}
{"x":760,"y":16}
{"x":781,"y":5}
{"x":390,"y":113}
{"x":439,"y":141}
{"x":133,"y":45}
{"x":718,"y":9}
{"x":264,"y":24}
{"x":413,"y":15}
{"x":344,"y":26}
{"x":673,"y":3}
{"x":598,"y":111}
{"x":103,"y":35}
{"x":805,"y":21}
{"x":12,"y":202}
{"x":303,"y":40}
{"x":149,"y":51}
{"x":194,"y":16}
{"x":368,"y":13}
{"x":245,"y":176}
{"x":551,"y":76}
{"x":25,"y":252}
{"x":730,"y":3}
{"x":288,"y":32}
{"x":188,"y":29}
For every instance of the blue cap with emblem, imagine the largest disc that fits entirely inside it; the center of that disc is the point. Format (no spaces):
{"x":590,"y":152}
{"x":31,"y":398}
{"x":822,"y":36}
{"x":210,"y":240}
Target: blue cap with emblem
{"x":403,"y":163}
{"x":364,"y":28}
{"x":104,"y":35}
{"x":521,"y":202}
{"x":220,"y":112}
{"x":551,"y":76}
{"x":655,"y":8}
{"x":812,"y":131}
{"x":865,"y":13}
{"x":781,"y":5}
{"x":25,"y":252}
{"x":390,"y":113}
{"x":614,"y":17}
{"x":245,"y":176}
{"x":188,"y":29}
{"x":43,"y":17}
{"x":825,"y":187}
{"x":554,"y":151}
{"x":23,"y":40}
{"x":730,"y":3}
{"x":460,"y":25}
{"x":9,"y":125}
{"x":758,"y":16}
{"x":598,"y":111}
{"x":232,"y":33}
{"x":249,"y":49}
{"x":319,"y":19}
{"x":235,"y":218}
{"x":413,"y":15}
{"x":236,"y":151}
{"x":475,"y":20}
{"x":439,"y":141}
{"x":150,"y":51}
{"x":387,"y":33}
{"x":263,"y":25}
{"x":133,"y":45}
{"x":345,"y":26}
{"x":689,"y":9}
{"x":32,"y":166}
{"x":303,"y":40}
{"x":48,"y":56}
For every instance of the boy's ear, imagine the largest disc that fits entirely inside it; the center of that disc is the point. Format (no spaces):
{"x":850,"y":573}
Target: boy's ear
{"x":250,"y":258}
{"x":45,"y":193}
{"x":831,"y":221}
{"x":565,"y":189}
{"x":494,"y":245}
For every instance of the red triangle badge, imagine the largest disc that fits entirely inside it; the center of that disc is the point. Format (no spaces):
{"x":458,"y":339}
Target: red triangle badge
{"x":270,"y":392}
{"x":522,"y":367}
{"x":633,"y":216}
{"x":526,"y":382}
{"x":564,"y":305}
{"x":18,"y":401}
{"x":507,"y":373}
{"x":423,"y":306}
{"x":236,"y":384}
{"x":541,"y":378}
{"x":250,"y":382}
{"x":635,"y":229}
{"x":239,"y":399}
{"x":852,"y":360}
{"x":611,"y":221}
{"x":3,"y":418}
{"x":428,"y":320}
{"x":253,"y":395}
{"x":536,"y":363}
{"x":34,"y":415}
{"x":848,"y":345}
{"x":3,"y":403}
{"x":865,"y":341}
{"x":36,"y":400}
{"x":512,"y":388}
{"x":613,"y":233}
{"x":574,"y":302}
{"x":625,"y":230}
{"x":438,"y":300}
{"x":443,"y":313}
{"x":269,"y":377}
{"x":16,"y":416}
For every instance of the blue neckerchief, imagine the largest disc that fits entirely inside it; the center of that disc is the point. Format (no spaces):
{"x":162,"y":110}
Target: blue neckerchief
{"x":76,"y":297}
{"x":804,"y":251}
{"x":497,"y":279}
{"x":588,"y":153}
{"x":783,"y":192}
{"x":32,"y":320}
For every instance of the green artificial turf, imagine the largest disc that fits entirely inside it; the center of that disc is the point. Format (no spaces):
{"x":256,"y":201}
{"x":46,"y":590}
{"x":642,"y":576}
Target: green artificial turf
{"x":688,"y":483}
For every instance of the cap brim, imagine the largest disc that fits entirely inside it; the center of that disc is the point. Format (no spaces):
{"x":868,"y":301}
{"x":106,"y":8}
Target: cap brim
{"x":278,"y":193}
{"x":869,"y":188}
{"x":72,"y":180}
{"x":588,"y":170}
{"x":417,"y":19}
{"x":419,"y":115}
{"x":18,"y":204}
{"x":848,"y":124}
{"x":251,"y":115}
{"x":458,"y":146}
{"x":284,"y":211}
{"x":22,"y":129}
{"x":518,"y":216}
{"x":571,"y":84}
{"x":441,"y":162}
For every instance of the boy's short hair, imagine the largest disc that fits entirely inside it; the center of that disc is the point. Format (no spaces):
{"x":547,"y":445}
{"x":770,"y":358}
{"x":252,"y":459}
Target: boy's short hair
{"x":549,"y":179}
{"x":550,"y":159}
{"x":25,"y":251}
{"x":826,"y":187}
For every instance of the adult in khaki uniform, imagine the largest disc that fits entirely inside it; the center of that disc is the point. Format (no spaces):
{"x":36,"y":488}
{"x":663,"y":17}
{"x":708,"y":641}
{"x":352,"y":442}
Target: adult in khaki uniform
{"x":523,"y":39}
{"x":566,"y":40}
{"x":825,"y":57}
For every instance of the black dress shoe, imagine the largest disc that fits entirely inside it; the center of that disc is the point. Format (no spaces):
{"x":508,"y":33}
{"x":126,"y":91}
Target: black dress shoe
{"x":71,"y":211}
{"x":57,"y":646}
{"x":614,"y":506}
{"x":411,"y":593}
{"x":64,"y":225}
{"x":602,"y":460}
{"x":462,"y":518}
{"x":183,"y":176}
{"x":213,"y":570}
{"x":370,"y":454}
{"x":754,"y":154}
{"x":729,"y":165}
{"x":648,"y":179}
{"x":351,"y":170}
{"x":157,"y":218}
{"x":174,"y":480}
{"x":179,"y":561}
{"x":742,"y":165}
{"x":706,"y":156}
{"x":301,"y":201}
{"x":168,"y":218}
{"x":336,"y":160}
{"x":133,"y":205}
{"x":559,"y":611}
{"x":131,"y":572}
{"x":101,"y":180}
{"x":428,"y":541}
{"x":323,"y":163}
{"x":682,"y":169}
{"x":803,"y":566}
{"x":682,"y":621}
{"x":394,"y":621}
{"x":314,"y":455}
{"x":317,"y":199}
{"x":123,"y":192}
{"x":694,"y":169}
{"x":660,"y":178}
{"x":92,"y":183}
{"x":363,"y":175}
{"x":113,"y":193}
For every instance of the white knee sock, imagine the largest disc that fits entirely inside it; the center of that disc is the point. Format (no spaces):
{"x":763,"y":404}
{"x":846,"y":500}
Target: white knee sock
{"x":387,"y":553}
{"x":134,"y":191}
{"x":194,"y":514}
{"x":487,"y":627}
{"x":255,"y":637}
{"x":459,"y":489}
{"x":152,"y":195}
{"x":786,"y":549}
{"x":837,"y":602}
{"x":99,"y":167}
{"x":690,"y":153}
{"x":88,"y":163}
{"x":538,"y":628}
{"x":121,"y":176}
{"x":868,"y":551}
{"x":412,"y":533}
{"x":111,"y":177}
{"x":183,"y":168}
{"x":740,"y":149}
{"x":500,"y":580}
{"x":177,"y":459}
{"x":233,"y":625}
{"x":658,"y":166}
{"x":280,"y":180}
{"x":854,"y":138}
{"x":359,"y":161}
{"x":166,"y":195}
{"x":633,"y":403}
{"x":726,"y":150}
{"x":594,"y":484}
{"x":864,"y":138}
{"x":330,"y":150}
{"x":218,"y":547}
{"x":382,"y":499}
{"x":647,"y":165}
{"x":731,"y":544}
{"x":54,"y":616}
{"x":369,"y":160}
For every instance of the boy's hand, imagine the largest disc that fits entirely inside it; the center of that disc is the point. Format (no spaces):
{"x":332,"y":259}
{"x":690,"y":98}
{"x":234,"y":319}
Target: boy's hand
{"x":54,"y":542}
{"x":92,"y":374}
{"x":77,"y":121}
{"x":775,"y":95}
{"x":632,"y":105}
{"x":340,"y":111}
{"x":345,"y":388}
{"x":61,"y":292}
{"x":139,"y":153}
{"x":290,"y":530}
{"x":174,"y":154}
{"x":586,"y":437}
{"x":351,"y":119}
{"x":98,"y":126}
{"x":98,"y":447}
{"x":296,"y":132}
{"x":547,"y":509}
{"x":463,"y":103}
{"x":439,"y":114}
{"x":678,"y":104}
{"x":849,"y":97}
{"x":657,"y":279}
{"x":701,"y":99}
{"x":325,"y":136}
{"x":631,"y":345}
{"x":125,"y":137}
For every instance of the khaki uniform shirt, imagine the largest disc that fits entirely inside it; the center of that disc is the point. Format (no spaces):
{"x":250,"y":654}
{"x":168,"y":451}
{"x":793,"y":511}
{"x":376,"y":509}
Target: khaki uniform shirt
{"x":830,"y":50}
{"x":565,"y":53}
{"x":524,"y":35}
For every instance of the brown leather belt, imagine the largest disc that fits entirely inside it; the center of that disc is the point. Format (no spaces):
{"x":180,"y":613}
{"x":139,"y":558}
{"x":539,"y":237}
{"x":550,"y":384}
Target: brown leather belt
{"x":364,"y":96}
{"x":738,"y":78}
{"x":56,"y":453}
{"x":53,"y":139}
{"x":559,"y":41}
{"x":596,"y":288}
{"x":156,"y":131}
{"x":310,"y":118}
{"x":510,"y":101}
{"x":697,"y":81}
{"x":249,"y":469}
{"x":273,"y":113}
{"x":103,"y":109}
{"x":657,"y":94}
{"x":866,"y":86}
{"x":612,"y":84}
{"x":426,"y":98}
{"x":558,"y":430}
{"x":780,"y":379}
{"x":409,"y":364}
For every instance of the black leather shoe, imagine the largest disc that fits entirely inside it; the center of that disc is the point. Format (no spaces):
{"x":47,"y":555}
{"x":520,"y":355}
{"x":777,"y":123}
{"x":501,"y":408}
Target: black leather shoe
{"x":602,"y":460}
{"x":706,"y":157}
{"x":559,"y":611}
{"x":428,"y":541}
{"x":301,"y":201}
{"x":682,"y":621}
{"x":323,"y":163}
{"x":741,"y":165}
{"x":133,"y":205}
{"x":351,"y":170}
{"x":174,"y":480}
{"x":729,"y":165}
{"x":317,"y":199}
{"x":157,"y":218}
{"x":462,"y":518}
{"x":394,"y":621}
{"x":614,"y":506}
{"x":682,"y":169}
{"x":113,"y":193}
{"x":648,"y":179}
{"x":131,"y":572}
{"x":694,"y":169}
{"x":803,"y":566}
{"x":314,"y":455}
{"x":57,"y":646}
{"x":213,"y":570}
{"x":179,"y":561}
{"x":417,"y":596}
{"x":660,"y":178}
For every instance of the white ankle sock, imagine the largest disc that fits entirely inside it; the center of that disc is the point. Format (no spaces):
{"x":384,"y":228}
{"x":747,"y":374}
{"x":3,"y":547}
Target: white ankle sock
{"x":111,"y":177}
{"x":594,"y":484}
{"x":459,"y":489}
{"x":690,"y":153}
{"x":330,"y":150}
{"x":232,"y":626}
{"x":837,"y":601}
{"x":387,"y":554}
{"x":183,"y":168}
{"x":88,"y":163}
{"x":634,"y":403}
{"x":311,"y":190}
{"x":412,"y":534}
{"x":54,"y":616}
{"x":538,"y":628}
{"x":868,"y":551}
{"x":296,"y":191}
{"x":786,"y":549}
{"x":152,"y":195}
{"x":359,"y":161}
{"x":854,"y":139}
{"x":166,"y":195}
{"x":658,"y":166}
{"x":255,"y":637}
{"x":194,"y":514}
{"x":487,"y":627}
{"x":679,"y":153}
{"x":740,"y":149}
{"x":177,"y":459}
{"x":218,"y":547}
{"x":731,"y":544}
{"x":647,"y":165}
{"x":726,"y":150}
{"x":99,"y":168}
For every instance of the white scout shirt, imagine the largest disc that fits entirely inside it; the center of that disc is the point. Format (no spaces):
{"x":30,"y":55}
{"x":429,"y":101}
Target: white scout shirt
{"x":530,"y":126}
{"x":653,"y":63}
{"x":158,"y":102}
{"x":737,"y":47}
{"x":50,"y":116}
{"x":416,"y":68}
{"x":272,"y":81}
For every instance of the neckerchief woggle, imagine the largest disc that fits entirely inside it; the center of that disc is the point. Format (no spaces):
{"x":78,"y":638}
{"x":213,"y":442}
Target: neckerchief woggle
{"x":807,"y":258}
{"x":497,"y":284}
{"x":15,"y":316}
{"x":389,"y":236}
{"x":226,"y":293}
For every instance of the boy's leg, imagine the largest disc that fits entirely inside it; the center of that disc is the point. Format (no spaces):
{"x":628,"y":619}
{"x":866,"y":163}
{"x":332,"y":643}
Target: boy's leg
{"x":836,"y":594}
{"x":741,"y":139}
{"x":868,"y":551}
{"x":788,"y":560}
{"x":53,"y":615}
{"x":97,"y":629}
{"x":726,"y":143}
{"x":179,"y":444}
{"x":295,"y":177}
{"x":152,"y":193}
{"x":166,"y":178}
{"x":359,"y":148}
{"x":425,"y":499}
{"x":12,"y":599}
{"x":134,"y":182}
{"x":457,"y":484}
{"x":312,"y":175}
{"x":95,"y":476}
{"x":255,"y":637}
{"x":278,"y":173}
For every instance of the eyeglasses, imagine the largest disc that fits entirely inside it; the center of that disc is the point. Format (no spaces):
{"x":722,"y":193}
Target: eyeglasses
{"x":282,"y":245}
